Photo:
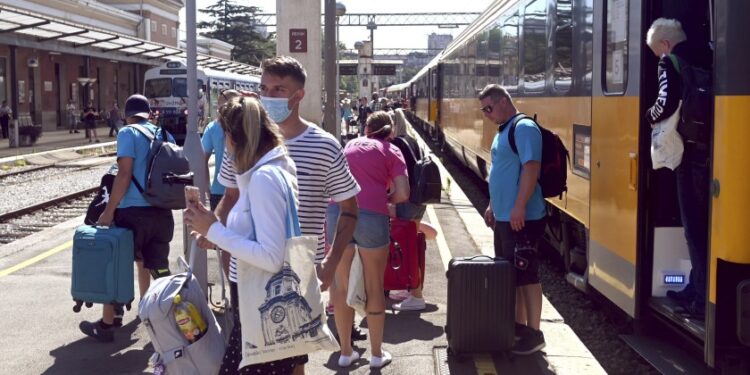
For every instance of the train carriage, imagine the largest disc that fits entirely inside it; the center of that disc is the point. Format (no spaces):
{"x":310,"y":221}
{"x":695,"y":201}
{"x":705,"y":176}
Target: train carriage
{"x":584,"y":69}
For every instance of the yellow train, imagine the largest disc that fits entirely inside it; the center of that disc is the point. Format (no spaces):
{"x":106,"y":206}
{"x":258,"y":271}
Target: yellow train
{"x":583,"y":68}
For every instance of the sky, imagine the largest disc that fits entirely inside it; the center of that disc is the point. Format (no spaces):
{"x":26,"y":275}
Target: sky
{"x":385,"y":36}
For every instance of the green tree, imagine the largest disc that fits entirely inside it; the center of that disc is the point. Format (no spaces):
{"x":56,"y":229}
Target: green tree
{"x":235,"y":24}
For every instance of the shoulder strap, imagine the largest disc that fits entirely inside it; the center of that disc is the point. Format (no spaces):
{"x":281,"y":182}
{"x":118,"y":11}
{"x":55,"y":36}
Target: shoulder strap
{"x":293,"y":228}
{"x":512,"y":130}
{"x":408,"y":147}
{"x":147,"y":133}
{"x":675,"y":61}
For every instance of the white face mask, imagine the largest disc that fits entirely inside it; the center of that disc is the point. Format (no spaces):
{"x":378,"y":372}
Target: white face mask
{"x":277,"y":108}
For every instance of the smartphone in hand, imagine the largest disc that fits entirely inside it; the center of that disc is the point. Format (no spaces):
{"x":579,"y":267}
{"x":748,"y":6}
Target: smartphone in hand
{"x":192,"y":195}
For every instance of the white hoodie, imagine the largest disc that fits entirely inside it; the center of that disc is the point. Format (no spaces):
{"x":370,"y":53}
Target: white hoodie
{"x":257,"y":224}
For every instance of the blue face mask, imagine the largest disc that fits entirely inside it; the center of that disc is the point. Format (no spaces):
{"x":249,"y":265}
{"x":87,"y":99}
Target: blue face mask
{"x":277,"y":108}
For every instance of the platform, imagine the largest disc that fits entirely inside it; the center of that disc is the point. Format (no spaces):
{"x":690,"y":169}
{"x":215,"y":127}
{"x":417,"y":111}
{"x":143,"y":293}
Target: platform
{"x":41,"y":336}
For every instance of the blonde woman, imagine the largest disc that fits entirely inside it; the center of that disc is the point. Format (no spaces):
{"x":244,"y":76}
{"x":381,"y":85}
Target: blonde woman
{"x":404,"y":138}
{"x":256,"y":226}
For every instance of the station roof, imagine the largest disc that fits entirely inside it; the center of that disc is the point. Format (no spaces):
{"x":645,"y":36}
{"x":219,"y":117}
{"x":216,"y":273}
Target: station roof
{"x":44,"y":28}
{"x":375,"y":62}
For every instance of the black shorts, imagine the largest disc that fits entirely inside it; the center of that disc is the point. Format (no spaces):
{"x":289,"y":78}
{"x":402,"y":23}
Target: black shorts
{"x":89,"y":124}
{"x":521,"y":248}
{"x":153,"y":229}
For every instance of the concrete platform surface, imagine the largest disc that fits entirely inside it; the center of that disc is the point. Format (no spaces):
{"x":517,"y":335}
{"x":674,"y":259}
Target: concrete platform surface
{"x":40,"y":331}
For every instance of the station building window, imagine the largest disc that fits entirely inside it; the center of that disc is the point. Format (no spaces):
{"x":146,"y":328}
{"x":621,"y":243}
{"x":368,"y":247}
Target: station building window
{"x":154,"y":26}
{"x":174,"y":32}
{"x":164,"y":29}
{"x":616,"y":46}
{"x":3,"y":80}
{"x":534,"y":46}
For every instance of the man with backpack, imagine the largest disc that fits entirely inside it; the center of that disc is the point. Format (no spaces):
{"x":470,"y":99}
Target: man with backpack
{"x":517,"y":208}
{"x":152,"y":227}
{"x":684,"y":75}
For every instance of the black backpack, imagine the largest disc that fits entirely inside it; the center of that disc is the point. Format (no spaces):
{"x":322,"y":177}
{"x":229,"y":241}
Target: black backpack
{"x":697,"y":98}
{"x":425,"y":184}
{"x":167,"y":174}
{"x":99,"y":203}
{"x":553,"y":175}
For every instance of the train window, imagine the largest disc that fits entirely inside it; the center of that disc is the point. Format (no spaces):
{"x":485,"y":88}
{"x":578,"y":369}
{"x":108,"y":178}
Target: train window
{"x":158,"y":88}
{"x":616,"y":50}
{"x":509,"y":53}
{"x":481,"y":61}
{"x":534,"y":46}
{"x":563,"y":38}
{"x":588,"y":42}
{"x":179,"y":87}
{"x":470,"y":79}
{"x":493,"y":53}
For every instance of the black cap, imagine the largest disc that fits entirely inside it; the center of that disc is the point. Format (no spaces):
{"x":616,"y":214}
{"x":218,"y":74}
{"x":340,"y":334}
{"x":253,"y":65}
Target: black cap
{"x":137,"y":106}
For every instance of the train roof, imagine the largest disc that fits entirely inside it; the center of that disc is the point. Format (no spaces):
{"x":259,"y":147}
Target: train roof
{"x":397,"y":87}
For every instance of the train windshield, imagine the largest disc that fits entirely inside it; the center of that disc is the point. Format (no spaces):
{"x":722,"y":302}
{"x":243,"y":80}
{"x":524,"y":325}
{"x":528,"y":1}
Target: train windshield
{"x":180,"y":87}
{"x":158,"y":88}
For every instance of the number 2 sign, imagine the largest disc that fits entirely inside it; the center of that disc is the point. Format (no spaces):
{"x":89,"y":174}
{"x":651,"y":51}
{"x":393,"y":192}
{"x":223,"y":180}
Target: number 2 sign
{"x":298,"y":40}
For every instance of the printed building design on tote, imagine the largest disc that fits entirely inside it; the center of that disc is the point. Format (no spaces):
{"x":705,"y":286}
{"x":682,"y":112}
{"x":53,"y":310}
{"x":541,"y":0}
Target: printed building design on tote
{"x":285,"y":315}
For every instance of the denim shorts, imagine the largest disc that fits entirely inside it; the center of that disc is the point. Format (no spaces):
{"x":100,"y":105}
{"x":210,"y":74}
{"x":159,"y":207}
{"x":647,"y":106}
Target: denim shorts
{"x":410,"y":211}
{"x":372,"y":231}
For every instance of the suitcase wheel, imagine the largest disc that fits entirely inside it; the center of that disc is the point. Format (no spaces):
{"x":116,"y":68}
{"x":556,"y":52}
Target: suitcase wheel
{"x":89,"y":304}
{"x":77,"y":306}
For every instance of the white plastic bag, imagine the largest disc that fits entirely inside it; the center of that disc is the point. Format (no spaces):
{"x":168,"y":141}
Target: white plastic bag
{"x":666,"y":143}
{"x":356,"y":296}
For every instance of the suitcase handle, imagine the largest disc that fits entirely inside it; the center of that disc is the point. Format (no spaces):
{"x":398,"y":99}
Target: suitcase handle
{"x":397,"y":256}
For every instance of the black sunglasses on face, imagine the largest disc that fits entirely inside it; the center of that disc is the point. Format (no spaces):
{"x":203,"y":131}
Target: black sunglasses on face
{"x":487,"y":109}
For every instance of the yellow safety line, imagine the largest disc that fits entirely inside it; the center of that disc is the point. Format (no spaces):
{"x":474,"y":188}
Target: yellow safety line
{"x":35,"y":259}
{"x":445,"y":252}
{"x":482,"y":362}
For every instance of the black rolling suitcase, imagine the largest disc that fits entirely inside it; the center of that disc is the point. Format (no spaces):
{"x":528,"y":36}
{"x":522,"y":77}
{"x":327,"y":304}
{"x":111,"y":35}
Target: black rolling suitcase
{"x":481,"y":305}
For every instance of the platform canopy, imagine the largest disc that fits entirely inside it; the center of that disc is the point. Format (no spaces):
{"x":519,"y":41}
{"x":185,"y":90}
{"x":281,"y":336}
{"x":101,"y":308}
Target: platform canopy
{"x":42,"y":28}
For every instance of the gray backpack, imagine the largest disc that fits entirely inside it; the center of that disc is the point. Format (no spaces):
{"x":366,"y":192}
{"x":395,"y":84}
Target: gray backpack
{"x":167,"y":174}
{"x":173,"y":351}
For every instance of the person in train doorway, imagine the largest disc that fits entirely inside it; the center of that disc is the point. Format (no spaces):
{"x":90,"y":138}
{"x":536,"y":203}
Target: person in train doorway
{"x":5,"y":115}
{"x":322,"y":174}
{"x":517,"y":209}
{"x":152,"y":227}
{"x":666,"y":37}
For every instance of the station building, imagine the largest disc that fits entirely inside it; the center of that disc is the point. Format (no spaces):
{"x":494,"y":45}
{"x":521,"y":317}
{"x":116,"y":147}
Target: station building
{"x":52,"y":51}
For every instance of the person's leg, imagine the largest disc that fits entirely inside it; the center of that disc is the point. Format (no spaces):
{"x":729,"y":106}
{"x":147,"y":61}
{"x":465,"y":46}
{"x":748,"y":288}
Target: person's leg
{"x":521,"y":317}
{"x":532,"y":303}
{"x":343,"y":314}
{"x":144,"y":278}
{"x":96,"y":137}
{"x":693,"y":196}
{"x":374,"y":262}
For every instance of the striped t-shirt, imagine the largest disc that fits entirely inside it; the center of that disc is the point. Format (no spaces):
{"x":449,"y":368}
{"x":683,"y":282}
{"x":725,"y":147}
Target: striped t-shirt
{"x":322,"y":175}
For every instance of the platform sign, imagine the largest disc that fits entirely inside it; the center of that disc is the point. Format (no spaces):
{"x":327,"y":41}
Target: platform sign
{"x":297,"y":40}
{"x":348,"y":70}
{"x":384,"y":69}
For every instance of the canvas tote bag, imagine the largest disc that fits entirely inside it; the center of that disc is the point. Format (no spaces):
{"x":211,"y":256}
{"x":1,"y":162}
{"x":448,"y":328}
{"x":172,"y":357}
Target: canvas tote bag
{"x":282,"y":313}
{"x":666,"y":142}
{"x":356,"y":297}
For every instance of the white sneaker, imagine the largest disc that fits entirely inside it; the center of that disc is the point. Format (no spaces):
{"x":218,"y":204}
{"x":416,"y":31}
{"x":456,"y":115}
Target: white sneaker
{"x":399,"y":295}
{"x":410,"y":304}
{"x":346,"y":361}
{"x":378,"y":362}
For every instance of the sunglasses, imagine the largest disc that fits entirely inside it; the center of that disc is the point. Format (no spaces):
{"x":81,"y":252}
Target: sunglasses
{"x":487,"y":109}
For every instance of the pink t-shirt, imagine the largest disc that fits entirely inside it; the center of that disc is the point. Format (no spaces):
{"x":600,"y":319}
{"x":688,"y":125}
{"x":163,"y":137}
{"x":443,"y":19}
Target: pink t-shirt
{"x":374,"y":164}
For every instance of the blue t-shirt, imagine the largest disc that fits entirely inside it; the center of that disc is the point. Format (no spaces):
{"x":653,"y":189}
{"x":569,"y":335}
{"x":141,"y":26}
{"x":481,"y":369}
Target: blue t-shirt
{"x":132,"y":144}
{"x":505,"y":172}
{"x":213,"y":141}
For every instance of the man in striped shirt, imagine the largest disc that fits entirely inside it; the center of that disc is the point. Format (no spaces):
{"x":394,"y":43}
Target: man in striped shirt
{"x":322,"y":171}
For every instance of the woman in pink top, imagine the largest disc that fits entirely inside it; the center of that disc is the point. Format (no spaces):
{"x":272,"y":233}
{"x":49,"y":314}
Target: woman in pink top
{"x":380,"y":171}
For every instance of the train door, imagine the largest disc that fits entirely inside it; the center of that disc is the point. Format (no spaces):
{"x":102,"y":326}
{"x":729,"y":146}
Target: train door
{"x":435,"y":95}
{"x":614,"y":152}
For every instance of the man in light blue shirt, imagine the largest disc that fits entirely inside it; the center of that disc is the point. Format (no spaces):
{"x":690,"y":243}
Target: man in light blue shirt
{"x":517,"y":208}
{"x":152,"y":227}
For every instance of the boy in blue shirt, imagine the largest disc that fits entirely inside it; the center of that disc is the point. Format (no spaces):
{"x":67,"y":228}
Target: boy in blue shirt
{"x":517,"y":209}
{"x":152,"y":227}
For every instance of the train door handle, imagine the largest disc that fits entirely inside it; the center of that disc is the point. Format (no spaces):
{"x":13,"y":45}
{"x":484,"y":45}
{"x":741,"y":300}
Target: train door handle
{"x":633,"y":181}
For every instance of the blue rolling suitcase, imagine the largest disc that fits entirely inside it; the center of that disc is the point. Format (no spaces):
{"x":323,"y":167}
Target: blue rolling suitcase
{"x":102,"y":266}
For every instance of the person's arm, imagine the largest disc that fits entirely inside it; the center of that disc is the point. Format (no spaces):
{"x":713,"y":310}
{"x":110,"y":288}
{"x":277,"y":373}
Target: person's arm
{"x":347,"y":222}
{"x":268,"y":207}
{"x":400,"y":191}
{"x":529,"y":142}
{"x":399,"y":175}
{"x":670,"y":92}
{"x":119,"y":188}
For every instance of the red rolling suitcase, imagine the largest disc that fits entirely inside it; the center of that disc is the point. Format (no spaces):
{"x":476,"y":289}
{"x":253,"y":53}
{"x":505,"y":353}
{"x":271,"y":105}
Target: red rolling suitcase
{"x":406,"y":259}
{"x":481,"y":305}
